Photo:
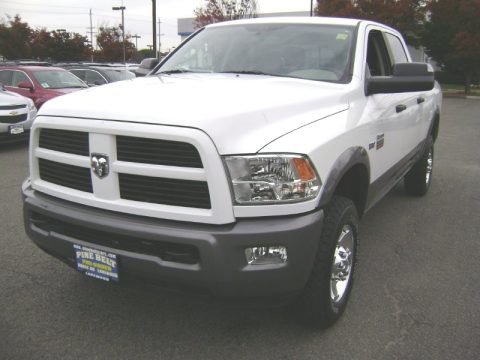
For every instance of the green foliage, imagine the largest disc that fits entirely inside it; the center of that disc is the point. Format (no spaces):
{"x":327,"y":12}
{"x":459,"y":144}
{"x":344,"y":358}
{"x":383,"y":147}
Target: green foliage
{"x":407,"y":16}
{"x":452,"y":36}
{"x":145,"y":53}
{"x":109,"y":41}
{"x":15,"y":39}
{"x":19,"y":41}
{"x":448,"y":29}
{"x":221,"y":10}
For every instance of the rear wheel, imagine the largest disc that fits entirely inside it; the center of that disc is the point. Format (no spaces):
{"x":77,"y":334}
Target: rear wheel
{"x":328,"y":288}
{"x":417,"y":181}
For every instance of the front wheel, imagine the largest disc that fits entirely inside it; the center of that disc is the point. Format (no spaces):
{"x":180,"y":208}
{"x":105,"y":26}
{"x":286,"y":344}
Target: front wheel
{"x":328,"y":288}
{"x":417,"y":181}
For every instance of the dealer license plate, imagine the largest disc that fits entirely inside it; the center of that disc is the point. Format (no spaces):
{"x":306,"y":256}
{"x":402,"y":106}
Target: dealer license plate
{"x":16,"y":129}
{"x":96,"y":263}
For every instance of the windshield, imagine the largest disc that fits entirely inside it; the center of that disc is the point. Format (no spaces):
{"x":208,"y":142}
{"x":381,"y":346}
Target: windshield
{"x":118,"y":74}
{"x":315,"y":52}
{"x":58,"y":79}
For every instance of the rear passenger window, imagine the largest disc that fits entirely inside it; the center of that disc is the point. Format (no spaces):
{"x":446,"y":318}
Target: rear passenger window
{"x":78,"y":73}
{"x":19,"y":77}
{"x":93,"y":77}
{"x":378,"y":60}
{"x":6,"y":77}
{"x":395,"y":49}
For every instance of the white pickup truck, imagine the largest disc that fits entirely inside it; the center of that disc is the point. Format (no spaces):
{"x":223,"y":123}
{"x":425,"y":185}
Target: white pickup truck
{"x":241,"y":165}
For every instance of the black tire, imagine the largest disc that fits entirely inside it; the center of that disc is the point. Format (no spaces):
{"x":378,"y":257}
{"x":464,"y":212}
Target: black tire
{"x":417,"y":181}
{"x":317,"y":303}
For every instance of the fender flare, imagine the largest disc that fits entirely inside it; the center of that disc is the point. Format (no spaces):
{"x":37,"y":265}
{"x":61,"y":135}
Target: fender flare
{"x":349,"y":158}
{"x":434,"y":127}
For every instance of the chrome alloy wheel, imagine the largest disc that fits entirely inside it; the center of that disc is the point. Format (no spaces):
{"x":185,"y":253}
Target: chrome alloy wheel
{"x":342,"y":264}
{"x":428,"y":173}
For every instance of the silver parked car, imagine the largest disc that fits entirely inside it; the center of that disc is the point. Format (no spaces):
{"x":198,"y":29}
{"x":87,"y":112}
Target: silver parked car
{"x":16,"y":116}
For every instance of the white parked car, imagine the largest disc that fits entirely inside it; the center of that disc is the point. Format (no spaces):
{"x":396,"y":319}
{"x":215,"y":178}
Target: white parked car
{"x":16,"y":116}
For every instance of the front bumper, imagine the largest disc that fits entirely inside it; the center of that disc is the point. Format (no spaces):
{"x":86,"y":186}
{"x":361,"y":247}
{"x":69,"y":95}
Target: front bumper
{"x":6,"y":138}
{"x":208,"y":258}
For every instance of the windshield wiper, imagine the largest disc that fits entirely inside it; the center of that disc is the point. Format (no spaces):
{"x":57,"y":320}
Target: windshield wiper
{"x":67,"y":87}
{"x":173,"y":71}
{"x":248,"y":72}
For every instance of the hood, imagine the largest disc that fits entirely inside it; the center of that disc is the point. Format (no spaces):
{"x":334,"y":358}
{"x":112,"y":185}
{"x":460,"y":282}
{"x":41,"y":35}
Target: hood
{"x":11,"y":98}
{"x":63,"y":91}
{"x":240,"y":113}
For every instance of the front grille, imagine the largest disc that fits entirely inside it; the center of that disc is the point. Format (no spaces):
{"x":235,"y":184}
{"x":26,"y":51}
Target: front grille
{"x":12,"y":107}
{"x":74,"y":177}
{"x":158,"y":152}
{"x":181,"y":253}
{"x":8,"y":119}
{"x":73,"y":142}
{"x":165,"y":191}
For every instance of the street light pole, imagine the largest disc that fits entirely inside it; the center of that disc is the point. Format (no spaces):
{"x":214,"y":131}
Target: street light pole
{"x":311,"y":7}
{"x":122,"y":8}
{"x":159,"y":39}
{"x":154,"y":26}
{"x":136,"y":36}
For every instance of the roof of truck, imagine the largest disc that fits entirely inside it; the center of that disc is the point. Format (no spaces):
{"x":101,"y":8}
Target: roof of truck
{"x":291,"y":20}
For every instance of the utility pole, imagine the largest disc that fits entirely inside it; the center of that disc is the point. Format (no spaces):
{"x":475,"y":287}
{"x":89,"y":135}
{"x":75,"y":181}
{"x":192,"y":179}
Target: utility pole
{"x":122,"y":8}
{"x":159,"y":38}
{"x":136,"y":37}
{"x":91,"y":35}
{"x":154,"y":17}
{"x":311,"y":8}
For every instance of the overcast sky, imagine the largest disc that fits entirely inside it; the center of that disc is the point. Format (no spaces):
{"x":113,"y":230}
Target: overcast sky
{"x":73,"y":15}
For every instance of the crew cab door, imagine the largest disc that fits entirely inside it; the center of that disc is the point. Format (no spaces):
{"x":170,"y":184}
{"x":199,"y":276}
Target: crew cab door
{"x":395,"y":118}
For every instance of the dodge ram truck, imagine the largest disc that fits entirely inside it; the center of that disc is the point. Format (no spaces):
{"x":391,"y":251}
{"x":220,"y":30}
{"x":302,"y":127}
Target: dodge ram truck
{"x":241,"y":165}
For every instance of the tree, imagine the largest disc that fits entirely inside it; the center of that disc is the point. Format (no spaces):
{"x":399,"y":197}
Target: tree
{"x":221,"y":10}
{"x":452,"y":36}
{"x":109,"y":40}
{"x":15,"y":37}
{"x":19,"y":41}
{"x":407,"y":16}
{"x":337,"y":8}
{"x":41,"y":43}
{"x":68,"y":46}
{"x":145,"y":53}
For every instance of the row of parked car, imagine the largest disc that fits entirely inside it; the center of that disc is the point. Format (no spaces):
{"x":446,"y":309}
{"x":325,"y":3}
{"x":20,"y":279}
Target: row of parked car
{"x":26,"y":86}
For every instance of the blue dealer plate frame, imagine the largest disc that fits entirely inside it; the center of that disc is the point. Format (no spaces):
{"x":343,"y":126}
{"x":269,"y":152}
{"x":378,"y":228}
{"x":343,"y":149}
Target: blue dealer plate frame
{"x":96,"y":263}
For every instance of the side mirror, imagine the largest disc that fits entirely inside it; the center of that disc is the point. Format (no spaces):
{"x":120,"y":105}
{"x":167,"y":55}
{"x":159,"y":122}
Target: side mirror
{"x":25,"y":85}
{"x":407,"y":77}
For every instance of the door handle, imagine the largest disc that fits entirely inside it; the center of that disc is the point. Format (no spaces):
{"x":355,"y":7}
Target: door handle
{"x":400,"y":108}
{"x":420,"y":100}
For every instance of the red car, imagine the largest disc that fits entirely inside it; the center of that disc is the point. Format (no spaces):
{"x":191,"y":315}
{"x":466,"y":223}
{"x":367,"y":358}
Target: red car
{"x":39,"y":83}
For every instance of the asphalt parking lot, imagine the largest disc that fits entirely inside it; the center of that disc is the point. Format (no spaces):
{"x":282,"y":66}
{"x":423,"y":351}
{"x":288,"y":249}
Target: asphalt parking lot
{"x":416,"y":296}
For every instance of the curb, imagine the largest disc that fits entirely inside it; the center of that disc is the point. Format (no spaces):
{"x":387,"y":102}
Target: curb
{"x":460,"y":96}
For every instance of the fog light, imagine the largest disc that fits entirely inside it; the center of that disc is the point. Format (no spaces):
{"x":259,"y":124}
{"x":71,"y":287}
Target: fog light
{"x":266,"y":255}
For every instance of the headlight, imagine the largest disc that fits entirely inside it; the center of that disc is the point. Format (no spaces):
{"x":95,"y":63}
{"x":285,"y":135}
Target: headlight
{"x":275,"y":178}
{"x":31,"y":104}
